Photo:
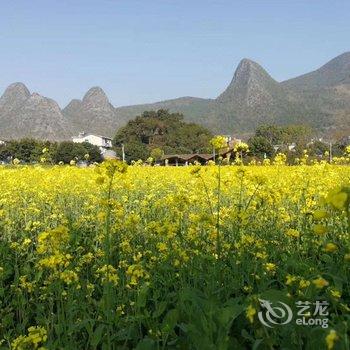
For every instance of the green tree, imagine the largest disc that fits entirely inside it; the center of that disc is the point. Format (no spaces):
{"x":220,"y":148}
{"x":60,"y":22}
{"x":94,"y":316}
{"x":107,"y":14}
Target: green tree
{"x":157,"y":153}
{"x":161,"y":129}
{"x":5,"y":153}
{"x":93,"y":152}
{"x":272,"y":133}
{"x":299,"y":134}
{"x":68,"y":150}
{"x":317,"y":148}
{"x":339,"y":147}
{"x":31,"y":150}
{"x":134,"y":150}
{"x":26,"y":150}
{"x":259,"y":146}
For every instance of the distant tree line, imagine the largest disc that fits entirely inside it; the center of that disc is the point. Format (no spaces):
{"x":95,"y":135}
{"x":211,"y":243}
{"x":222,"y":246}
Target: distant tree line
{"x":271,"y":139}
{"x":34,"y":151}
{"x":155,"y":133}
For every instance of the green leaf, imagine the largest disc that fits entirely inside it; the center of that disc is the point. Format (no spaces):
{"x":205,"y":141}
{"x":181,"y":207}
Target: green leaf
{"x":97,"y":335}
{"x":246,"y":335}
{"x":256,"y":344}
{"x":146,"y":344}
{"x":170,"y":320}
{"x":326,"y":258}
{"x":228,"y":314}
{"x":160,"y":309}
{"x":142,"y":297}
{"x":274,"y":295}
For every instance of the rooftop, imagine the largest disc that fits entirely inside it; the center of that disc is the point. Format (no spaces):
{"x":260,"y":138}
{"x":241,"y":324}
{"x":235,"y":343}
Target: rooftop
{"x":83,"y":134}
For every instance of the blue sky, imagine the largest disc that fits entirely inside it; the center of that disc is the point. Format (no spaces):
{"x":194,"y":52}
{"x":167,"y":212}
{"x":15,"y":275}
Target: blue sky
{"x":151,"y":50}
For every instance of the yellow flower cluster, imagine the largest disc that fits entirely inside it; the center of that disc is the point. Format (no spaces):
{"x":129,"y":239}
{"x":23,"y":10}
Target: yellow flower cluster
{"x":108,"y":273}
{"x":339,"y":198}
{"x":35,"y":337}
{"x":52,"y":240}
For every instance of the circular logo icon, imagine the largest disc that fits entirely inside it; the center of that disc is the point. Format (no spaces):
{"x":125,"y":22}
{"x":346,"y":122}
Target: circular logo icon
{"x":274,"y":315}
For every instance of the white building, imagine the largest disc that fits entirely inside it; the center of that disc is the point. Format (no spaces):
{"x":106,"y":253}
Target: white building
{"x":102,"y":142}
{"x":291,"y":146}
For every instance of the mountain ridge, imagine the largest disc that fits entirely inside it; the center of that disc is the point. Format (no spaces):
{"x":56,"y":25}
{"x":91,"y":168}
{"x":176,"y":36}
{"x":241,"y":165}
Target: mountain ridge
{"x":334,"y":72}
{"x":320,"y":98}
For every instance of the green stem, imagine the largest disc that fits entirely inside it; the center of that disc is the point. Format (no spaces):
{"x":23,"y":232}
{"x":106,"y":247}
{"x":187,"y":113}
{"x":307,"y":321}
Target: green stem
{"x":218,"y":238}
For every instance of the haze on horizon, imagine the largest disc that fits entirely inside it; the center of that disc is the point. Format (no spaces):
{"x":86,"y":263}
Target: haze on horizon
{"x":140,"y":53}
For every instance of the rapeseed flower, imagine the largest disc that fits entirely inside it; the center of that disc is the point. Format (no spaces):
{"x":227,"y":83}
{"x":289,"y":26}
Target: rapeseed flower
{"x":320,"y":214}
{"x":270,"y":267}
{"x":320,"y":282}
{"x":293,"y":233}
{"x":338,"y":198}
{"x":108,"y":274}
{"x":319,"y":229}
{"x":250,"y":313}
{"x":330,"y":247}
{"x":331,"y":338}
{"x":36,"y":336}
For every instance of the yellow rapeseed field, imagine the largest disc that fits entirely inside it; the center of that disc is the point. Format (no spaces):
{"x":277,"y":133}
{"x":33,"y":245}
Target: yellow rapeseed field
{"x":117,"y":257}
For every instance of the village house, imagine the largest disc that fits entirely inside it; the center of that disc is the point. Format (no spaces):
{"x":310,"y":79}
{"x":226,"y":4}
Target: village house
{"x":202,"y":158}
{"x":185,"y":159}
{"x":102,"y":142}
{"x":285,"y":147}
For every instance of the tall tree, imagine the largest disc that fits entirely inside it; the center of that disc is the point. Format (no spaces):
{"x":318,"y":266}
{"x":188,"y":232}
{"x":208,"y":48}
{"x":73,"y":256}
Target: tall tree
{"x":260,"y":146}
{"x":164,"y":130}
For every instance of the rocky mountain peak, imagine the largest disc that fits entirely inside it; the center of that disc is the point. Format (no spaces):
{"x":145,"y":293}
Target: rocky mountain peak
{"x":14,"y":96}
{"x":246,"y":65}
{"x":31,"y":115}
{"x":36,"y":97}
{"x":72,"y":106}
{"x":95,"y":97}
{"x":249,"y":70}
{"x":94,"y":113}
{"x":249,"y":78}
{"x":37,"y":101}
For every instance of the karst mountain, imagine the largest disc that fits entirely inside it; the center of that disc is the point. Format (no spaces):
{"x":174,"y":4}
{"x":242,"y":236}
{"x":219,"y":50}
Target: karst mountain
{"x":320,"y":99}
